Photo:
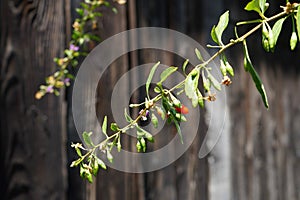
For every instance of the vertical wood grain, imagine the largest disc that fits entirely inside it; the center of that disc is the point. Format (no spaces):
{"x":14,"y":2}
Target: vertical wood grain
{"x":32,"y":132}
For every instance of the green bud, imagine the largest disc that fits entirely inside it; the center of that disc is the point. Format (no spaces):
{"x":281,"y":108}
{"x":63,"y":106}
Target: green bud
{"x":138,"y":146}
{"x":143,"y":144}
{"x":206,"y":83}
{"x":109,"y":156}
{"x":223,"y":68}
{"x":229,"y":69}
{"x":95,"y":167}
{"x":266,"y":45}
{"x":271,"y":40}
{"x":294,"y":40}
{"x":149,"y":137}
{"x":265,"y":31}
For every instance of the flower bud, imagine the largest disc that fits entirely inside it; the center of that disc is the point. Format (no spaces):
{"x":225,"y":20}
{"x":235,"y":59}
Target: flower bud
{"x":223,"y":68}
{"x":294,"y":40}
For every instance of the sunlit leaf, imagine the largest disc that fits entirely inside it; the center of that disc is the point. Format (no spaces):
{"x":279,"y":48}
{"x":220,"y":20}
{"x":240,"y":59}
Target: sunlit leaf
{"x":249,"y":68}
{"x":149,"y":79}
{"x":277,"y":29}
{"x":214,"y":35}
{"x":127,"y":117}
{"x":186,"y":62}
{"x":104,"y":126}
{"x":262,"y":5}
{"x":254,"y":5}
{"x":198,"y":54}
{"x":191,"y":85}
{"x":166,"y":73}
{"x":178,"y":130}
{"x":87,"y":138}
{"x":214,"y":82}
{"x":222,"y":25}
{"x":298,"y":21}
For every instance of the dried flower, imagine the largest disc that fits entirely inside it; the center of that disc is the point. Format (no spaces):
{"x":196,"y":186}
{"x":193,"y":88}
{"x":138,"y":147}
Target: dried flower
{"x":226,"y":81}
{"x":145,"y":115}
{"x":210,"y":97}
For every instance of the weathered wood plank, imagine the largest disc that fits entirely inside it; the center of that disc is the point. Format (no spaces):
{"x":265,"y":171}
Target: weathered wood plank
{"x":32,"y":132}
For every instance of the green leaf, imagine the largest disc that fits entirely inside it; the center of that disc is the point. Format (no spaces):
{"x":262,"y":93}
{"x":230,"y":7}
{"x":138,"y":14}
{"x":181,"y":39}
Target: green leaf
{"x":80,"y":11}
{"x":258,"y":83}
{"x":298,"y":21}
{"x":150,"y":78}
{"x":178,"y":130}
{"x":277,"y":29}
{"x":154,"y":120}
{"x":214,"y":35}
{"x":127,"y":117}
{"x":114,"y":127}
{"x":104,"y":126}
{"x":262,"y":5}
{"x":222,"y":25}
{"x":166,"y":73}
{"x":186,"y":62}
{"x":198,"y":54}
{"x":191,"y":85}
{"x":87,"y":138}
{"x":214,"y":82}
{"x":200,"y":99}
{"x":254,"y":5}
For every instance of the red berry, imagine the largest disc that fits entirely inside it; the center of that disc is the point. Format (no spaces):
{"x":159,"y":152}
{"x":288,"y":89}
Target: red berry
{"x":183,"y":109}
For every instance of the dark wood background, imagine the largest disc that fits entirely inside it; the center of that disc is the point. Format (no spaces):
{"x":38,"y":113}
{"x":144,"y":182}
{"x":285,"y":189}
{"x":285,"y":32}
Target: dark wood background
{"x":257,"y":157}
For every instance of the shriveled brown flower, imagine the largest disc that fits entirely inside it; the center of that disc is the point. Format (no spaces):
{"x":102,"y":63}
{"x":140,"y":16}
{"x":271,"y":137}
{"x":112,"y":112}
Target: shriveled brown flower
{"x":226,"y":81}
{"x":210,"y":97}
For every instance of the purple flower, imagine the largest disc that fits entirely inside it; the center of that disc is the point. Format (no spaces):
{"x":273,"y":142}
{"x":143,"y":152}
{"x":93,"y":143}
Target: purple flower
{"x":145,"y":115}
{"x":49,"y":89}
{"x":73,"y":47}
{"x":67,"y":80}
